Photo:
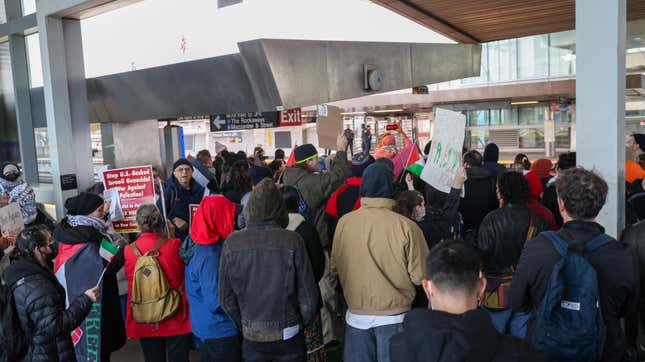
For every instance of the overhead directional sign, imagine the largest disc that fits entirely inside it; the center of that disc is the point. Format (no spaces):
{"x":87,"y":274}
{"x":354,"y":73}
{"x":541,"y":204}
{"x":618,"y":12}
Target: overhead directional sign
{"x":242,"y":121}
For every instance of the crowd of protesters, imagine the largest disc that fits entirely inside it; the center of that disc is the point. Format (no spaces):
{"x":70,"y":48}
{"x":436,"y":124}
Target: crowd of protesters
{"x":290,"y":260}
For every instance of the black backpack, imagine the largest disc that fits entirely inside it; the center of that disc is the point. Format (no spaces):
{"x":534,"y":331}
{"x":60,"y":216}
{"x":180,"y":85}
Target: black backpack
{"x":14,"y":343}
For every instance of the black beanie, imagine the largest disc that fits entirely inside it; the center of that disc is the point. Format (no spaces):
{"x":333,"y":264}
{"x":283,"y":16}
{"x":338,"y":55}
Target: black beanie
{"x":491,"y":153}
{"x":305,"y":153}
{"x":181,"y":161}
{"x":640,"y":139}
{"x":83,"y":204}
{"x":259,"y":173}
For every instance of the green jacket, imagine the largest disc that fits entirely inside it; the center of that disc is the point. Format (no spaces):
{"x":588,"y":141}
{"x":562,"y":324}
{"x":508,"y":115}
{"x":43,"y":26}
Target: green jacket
{"x":316,"y":188}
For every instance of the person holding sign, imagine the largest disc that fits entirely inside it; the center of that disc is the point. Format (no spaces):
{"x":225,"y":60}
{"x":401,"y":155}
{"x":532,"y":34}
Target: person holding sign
{"x":399,"y":156}
{"x":40,"y":300}
{"x":13,"y":189}
{"x":179,"y":192}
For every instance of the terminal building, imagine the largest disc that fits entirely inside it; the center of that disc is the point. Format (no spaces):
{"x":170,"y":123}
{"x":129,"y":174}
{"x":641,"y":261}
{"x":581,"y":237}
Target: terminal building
{"x":529,"y":76}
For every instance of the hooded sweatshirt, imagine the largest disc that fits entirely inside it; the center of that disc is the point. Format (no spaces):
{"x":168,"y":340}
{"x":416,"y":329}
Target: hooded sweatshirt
{"x":535,"y":186}
{"x":379,"y":255}
{"x":213,"y":223}
{"x":435,"y":336}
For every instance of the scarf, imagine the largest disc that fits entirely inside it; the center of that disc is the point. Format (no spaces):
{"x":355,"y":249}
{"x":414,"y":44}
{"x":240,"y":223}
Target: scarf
{"x":20,"y":193}
{"x":96,"y":223}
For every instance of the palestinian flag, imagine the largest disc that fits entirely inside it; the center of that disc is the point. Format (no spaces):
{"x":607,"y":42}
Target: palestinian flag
{"x":415,"y":162}
{"x":292,"y":158}
{"x":78,"y":268}
{"x":108,"y":250}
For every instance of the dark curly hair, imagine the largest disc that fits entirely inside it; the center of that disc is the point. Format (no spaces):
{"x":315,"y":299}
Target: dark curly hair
{"x":473,"y":158}
{"x":239,"y":176}
{"x":406,"y":202}
{"x":513,"y":188}
{"x":31,"y":238}
{"x":453,"y":265}
{"x":583,"y":192}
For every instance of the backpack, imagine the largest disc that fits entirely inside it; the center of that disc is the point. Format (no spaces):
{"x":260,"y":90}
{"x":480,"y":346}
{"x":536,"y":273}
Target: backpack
{"x":14,"y":343}
{"x":153,"y":300}
{"x":569,"y":323}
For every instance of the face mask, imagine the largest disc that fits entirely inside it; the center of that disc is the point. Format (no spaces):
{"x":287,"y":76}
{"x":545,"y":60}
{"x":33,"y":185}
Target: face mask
{"x":12,"y":176}
{"x":420,"y":216}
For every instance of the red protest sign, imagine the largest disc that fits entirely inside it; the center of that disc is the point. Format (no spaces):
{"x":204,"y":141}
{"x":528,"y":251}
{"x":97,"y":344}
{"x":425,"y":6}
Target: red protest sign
{"x":135,"y":187}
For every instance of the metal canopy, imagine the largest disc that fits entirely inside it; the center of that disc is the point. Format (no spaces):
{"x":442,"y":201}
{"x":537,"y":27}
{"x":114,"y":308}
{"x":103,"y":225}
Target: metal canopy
{"x":476,"y":21}
{"x":269,"y":74}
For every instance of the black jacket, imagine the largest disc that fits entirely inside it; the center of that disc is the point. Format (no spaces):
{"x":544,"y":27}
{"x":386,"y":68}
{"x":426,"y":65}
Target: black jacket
{"x":442,"y":222}
{"x":266,"y":283}
{"x":177,"y":200}
{"x":480,"y":198}
{"x":434,"y":336}
{"x":40,"y":303}
{"x":112,"y":328}
{"x":634,"y":236}
{"x":550,"y":201}
{"x":615,"y":265}
{"x":502,"y":235}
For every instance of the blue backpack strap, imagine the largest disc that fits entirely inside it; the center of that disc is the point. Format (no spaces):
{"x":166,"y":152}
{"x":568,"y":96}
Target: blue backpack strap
{"x":559,"y":244}
{"x":597,"y":242}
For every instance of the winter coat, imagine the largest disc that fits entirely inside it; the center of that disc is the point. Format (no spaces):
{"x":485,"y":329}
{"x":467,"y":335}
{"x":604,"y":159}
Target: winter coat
{"x":113,"y":335}
{"x":615,"y":265}
{"x":379,"y":257}
{"x":40,"y":304}
{"x":316,"y":188}
{"x":545,"y":214}
{"x":502,"y":235}
{"x":480,"y":197}
{"x":550,"y":201}
{"x":435,"y":336}
{"x":315,"y":250}
{"x":442,"y":222}
{"x":344,"y":200}
{"x":494,"y":168}
{"x":173,"y":268}
{"x":266,"y":283}
{"x":179,"y":205}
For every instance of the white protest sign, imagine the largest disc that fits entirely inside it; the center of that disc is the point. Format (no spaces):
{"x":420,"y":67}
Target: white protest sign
{"x":445,"y":154}
{"x":11,"y":220}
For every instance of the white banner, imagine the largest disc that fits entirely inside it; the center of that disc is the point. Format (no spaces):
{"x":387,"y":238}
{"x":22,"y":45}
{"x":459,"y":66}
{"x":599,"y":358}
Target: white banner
{"x":447,"y":145}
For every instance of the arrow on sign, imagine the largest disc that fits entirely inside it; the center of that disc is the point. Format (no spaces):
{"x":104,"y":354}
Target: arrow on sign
{"x":219,"y":123}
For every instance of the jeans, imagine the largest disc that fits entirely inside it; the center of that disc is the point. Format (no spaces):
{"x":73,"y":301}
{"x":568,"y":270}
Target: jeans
{"x":162,"y":349}
{"x":350,"y":146}
{"x":369,"y":345}
{"x":220,"y":350}
{"x":291,"y":350}
{"x":367,"y":144}
{"x":507,"y":322}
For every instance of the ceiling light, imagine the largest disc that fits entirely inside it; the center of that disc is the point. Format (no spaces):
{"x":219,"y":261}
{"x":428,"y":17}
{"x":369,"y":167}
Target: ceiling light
{"x":635,"y":50}
{"x":524,"y":103}
{"x":388,"y":110}
{"x":351,"y":113}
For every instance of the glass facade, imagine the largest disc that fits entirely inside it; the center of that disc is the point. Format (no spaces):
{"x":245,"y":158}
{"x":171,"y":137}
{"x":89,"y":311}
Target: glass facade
{"x":533,"y":57}
{"x":28,"y":7}
{"x":35,"y":60}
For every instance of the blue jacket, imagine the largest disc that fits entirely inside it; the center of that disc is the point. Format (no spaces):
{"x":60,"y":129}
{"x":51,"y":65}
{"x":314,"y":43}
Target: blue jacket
{"x":208,"y":319}
{"x":182,"y":199}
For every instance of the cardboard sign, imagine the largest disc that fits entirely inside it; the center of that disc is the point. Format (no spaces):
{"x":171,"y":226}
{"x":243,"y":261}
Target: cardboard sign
{"x":135,"y":187}
{"x":11,"y":220}
{"x":192,"y":210}
{"x":329,"y":128}
{"x":447,"y":146}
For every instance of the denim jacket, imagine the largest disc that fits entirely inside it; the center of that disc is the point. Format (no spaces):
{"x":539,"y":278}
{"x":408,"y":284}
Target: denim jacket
{"x":266,"y":283}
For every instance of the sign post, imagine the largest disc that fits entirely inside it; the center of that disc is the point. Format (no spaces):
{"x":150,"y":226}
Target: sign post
{"x":445,"y":154}
{"x":135,"y":187}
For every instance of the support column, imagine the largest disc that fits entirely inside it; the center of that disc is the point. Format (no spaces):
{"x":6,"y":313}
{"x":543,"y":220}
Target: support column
{"x":66,"y":107}
{"x":600,"y":92}
{"x":20,"y":73}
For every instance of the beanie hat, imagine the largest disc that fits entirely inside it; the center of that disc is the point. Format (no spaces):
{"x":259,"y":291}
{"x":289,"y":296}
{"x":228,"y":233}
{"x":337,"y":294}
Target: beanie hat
{"x":258,"y":173}
{"x":640,"y":139}
{"x":360,"y":161}
{"x":180,"y":162}
{"x":491,"y":153}
{"x":305,"y":153}
{"x":542,"y":168}
{"x":83,"y":204}
{"x":377,"y":181}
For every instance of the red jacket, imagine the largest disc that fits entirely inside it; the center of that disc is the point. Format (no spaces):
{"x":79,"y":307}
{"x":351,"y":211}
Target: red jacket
{"x":173,"y":267}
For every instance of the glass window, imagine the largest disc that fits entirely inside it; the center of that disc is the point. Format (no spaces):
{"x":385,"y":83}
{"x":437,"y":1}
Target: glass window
{"x":562,"y":137}
{"x":35,"y":61}
{"x":562,"y":47}
{"x":42,"y":155}
{"x":28,"y":7}
{"x":531,"y":138}
{"x":3,"y":13}
{"x":530,"y":115}
{"x":532,"y":57}
{"x":477,"y":138}
{"x":503,"y":117}
{"x":502,"y":60}
{"x":477,"y":118}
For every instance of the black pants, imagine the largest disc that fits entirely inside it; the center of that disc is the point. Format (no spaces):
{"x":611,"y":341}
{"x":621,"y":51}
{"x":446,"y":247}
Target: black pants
{"x":292,"y":350}
{"x":166,"y":349}
{"x":220,"y":350}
